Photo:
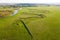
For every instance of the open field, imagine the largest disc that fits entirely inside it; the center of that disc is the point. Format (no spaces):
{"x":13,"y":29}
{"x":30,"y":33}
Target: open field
{"x":42,"y":22}
{"x":5,"y":12}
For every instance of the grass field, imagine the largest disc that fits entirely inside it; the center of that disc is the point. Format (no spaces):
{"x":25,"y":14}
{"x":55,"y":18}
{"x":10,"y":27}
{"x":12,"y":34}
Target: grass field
{"x":42,"y":22}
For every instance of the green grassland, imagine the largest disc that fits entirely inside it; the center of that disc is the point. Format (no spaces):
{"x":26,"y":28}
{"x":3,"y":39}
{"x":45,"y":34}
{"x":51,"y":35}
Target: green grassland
{"x":42,"y":22}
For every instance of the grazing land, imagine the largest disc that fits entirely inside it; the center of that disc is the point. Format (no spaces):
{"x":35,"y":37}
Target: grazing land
{"x":43,"y":23}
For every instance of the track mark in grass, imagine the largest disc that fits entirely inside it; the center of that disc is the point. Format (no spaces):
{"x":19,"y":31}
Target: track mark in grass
{"x":34,"y":17}
{"x":29,"y":17}
{"x":26,"y":28}
{"x":41,"y":15}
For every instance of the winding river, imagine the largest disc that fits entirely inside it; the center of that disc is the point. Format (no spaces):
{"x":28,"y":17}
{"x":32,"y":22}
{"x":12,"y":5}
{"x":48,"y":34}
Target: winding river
{"x":15,"y":11}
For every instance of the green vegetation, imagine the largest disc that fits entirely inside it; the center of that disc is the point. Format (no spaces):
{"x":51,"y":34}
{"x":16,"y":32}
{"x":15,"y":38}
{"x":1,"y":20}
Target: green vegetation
{"x":43,"y":23}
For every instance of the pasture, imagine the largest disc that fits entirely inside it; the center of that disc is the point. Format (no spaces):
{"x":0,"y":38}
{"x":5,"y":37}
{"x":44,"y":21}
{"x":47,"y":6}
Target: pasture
{"x":43,"y":23}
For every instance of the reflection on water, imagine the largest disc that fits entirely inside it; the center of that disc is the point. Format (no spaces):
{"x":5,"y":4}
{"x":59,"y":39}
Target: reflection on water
{"x":15,"y":12}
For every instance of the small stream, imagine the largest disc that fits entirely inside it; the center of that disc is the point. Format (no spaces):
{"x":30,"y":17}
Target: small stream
{"x":15,"y":11}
